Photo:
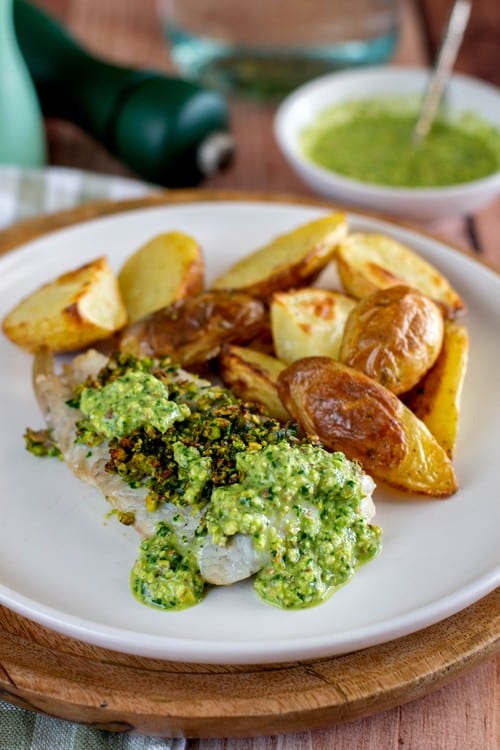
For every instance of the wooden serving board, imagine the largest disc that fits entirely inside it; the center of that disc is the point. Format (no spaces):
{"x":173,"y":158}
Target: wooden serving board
{"x":47,"y":672}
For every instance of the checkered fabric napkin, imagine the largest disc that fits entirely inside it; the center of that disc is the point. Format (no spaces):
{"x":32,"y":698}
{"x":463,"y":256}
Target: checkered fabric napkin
{"x":25,"y":193}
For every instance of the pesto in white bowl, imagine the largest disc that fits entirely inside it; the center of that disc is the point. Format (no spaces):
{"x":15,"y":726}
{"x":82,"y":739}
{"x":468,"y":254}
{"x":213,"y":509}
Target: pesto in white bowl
{"x":348,"y":137}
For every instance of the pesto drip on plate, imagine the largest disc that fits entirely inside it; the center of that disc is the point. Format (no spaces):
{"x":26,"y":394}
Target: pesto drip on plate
{"x":301,"y":507}
{"x":216,"y":469}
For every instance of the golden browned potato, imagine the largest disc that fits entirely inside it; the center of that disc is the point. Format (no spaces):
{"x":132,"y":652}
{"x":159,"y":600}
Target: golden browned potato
{"x":394,"y":335}
{"x":78,"y":308}
{"x":350,"y":412}
{"x":290,"y":260}
{"x":436,"y":399}
{"x":166,"y":268}
{"x":367,"y":262}
{"x":193,"y":329}
{"x":252,"y":376}
{"x":309,"y":321}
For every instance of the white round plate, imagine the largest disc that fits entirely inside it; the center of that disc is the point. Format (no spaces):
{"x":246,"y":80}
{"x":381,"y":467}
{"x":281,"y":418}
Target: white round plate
{"x":65,"y":564}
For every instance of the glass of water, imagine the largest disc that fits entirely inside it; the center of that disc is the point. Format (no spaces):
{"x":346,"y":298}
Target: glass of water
{"x":268,"y":47}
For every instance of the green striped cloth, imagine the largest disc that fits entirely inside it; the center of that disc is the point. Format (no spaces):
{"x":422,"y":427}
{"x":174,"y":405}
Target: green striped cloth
{"x":23,"y":730}
{"x":30,"y":192}
{"x":25,"y":193}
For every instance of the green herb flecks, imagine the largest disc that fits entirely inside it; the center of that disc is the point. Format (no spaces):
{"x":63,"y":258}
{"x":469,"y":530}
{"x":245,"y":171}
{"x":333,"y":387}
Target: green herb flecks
{"x":165,"y":575}
{"x":301,"y":504}
{"x":41,"y":443}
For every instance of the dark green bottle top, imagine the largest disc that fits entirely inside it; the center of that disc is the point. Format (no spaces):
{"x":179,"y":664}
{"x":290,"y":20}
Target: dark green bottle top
{"x":168,"y":130}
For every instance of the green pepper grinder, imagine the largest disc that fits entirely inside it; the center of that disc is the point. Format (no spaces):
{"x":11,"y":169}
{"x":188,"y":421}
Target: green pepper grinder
{"x":22,"y":136}
{"x":169,"y":131}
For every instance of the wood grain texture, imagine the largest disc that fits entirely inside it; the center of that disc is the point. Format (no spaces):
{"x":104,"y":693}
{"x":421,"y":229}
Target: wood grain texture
{"x":45,"y":671}
{"x":48,"y":672}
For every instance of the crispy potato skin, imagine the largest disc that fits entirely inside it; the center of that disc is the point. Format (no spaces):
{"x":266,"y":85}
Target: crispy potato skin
{"x":394,"y":335}
{"x":193,"y":329}
{"x":350,"y":412}
{"x":252,"y":376}
{"x":370,"y":261}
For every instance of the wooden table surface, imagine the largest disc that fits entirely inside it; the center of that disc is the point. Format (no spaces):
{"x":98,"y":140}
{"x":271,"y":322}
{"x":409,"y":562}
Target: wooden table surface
{"x":464,"y":714}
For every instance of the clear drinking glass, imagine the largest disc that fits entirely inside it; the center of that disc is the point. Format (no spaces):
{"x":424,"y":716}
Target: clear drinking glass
{"x":269,"y":47}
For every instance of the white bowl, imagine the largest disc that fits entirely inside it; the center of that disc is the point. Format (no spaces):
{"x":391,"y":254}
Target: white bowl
{"x":463,"y":94}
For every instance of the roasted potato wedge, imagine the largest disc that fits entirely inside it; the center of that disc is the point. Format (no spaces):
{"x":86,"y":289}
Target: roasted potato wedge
{"x":309,"y":322}
{"x":350,"y":412}
{"x":394,"y":335}
{"x":166,"y":268}
{"x":74,"y":310}
{"x":193,"y":329}
{"x":367,"y":262}
{"x":290,"y":260}
{"x":252,"y":376}
{"x":436,"y":399}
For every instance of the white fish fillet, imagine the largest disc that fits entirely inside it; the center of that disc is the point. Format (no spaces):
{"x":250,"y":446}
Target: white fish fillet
{"x":220,"y":565}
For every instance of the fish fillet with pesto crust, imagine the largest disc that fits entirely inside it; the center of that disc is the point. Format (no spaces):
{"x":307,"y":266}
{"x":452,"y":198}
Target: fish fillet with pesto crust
{"x":217,"y":490}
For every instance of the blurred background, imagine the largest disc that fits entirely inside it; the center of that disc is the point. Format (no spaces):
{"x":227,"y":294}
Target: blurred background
{"x":131,"y":33}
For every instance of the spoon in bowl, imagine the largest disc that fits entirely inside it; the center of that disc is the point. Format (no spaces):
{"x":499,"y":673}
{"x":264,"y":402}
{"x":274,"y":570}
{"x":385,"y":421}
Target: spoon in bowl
{"x":448,"y":51}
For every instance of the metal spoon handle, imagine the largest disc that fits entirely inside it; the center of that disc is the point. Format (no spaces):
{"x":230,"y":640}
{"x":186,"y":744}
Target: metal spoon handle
{"x":447,"y":55}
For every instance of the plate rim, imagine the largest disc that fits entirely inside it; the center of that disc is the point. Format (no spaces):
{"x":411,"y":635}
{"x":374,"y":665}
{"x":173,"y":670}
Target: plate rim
{"x":41,"y":226}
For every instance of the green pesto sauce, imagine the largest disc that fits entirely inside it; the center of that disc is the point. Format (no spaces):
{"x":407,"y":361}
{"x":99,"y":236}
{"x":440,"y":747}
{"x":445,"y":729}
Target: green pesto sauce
{"x":164,"y":575}
{"x":299,"y":504}
{"x":370,"y":141}
{"x":41,"y":443}
{"x":193,"y":470}
{"x":234,"y":471}
{"x":218,"y":426}
{"x":129,"y":401}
